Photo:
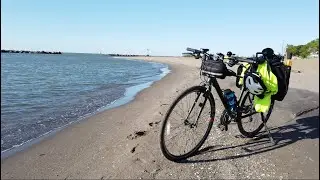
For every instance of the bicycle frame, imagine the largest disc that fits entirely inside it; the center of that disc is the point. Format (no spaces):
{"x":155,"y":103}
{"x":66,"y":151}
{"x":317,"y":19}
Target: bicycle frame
{"x":213,"y":82}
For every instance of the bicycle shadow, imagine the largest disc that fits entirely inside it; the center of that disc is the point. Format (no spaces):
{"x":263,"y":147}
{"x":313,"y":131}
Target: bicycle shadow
{"x":304,"y":128}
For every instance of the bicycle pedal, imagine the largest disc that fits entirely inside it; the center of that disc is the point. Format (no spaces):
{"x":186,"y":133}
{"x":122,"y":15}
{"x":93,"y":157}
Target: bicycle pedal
{"x":223,"y":127}
{"x":226,"y":127}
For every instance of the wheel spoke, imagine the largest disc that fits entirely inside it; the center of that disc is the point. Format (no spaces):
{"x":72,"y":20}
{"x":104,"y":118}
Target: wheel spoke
{"x":179,"y":114}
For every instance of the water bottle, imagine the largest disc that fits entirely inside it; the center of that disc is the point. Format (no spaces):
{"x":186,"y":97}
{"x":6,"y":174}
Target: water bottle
{"x":231,"y":99}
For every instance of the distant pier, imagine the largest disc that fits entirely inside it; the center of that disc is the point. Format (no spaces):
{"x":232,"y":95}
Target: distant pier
{"x":125,"y":55}
{"x":29,"y":52}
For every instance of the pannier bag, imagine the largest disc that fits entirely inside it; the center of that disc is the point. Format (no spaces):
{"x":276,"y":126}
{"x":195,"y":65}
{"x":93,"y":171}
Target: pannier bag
{"x":282,"y":72}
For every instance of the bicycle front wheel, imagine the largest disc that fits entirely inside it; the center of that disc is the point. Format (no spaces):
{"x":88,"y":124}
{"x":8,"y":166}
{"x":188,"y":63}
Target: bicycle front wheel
{"x":187,"y":123}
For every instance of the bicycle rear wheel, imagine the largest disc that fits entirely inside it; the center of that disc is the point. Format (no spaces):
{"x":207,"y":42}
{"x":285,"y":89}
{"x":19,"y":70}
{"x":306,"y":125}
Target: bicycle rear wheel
{"x":255,"y":125}
{"x":187,"y":123}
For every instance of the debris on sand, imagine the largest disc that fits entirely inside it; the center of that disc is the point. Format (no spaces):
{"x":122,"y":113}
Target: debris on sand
{"x":154,"y":123}
{"x":134,"y":148}
{"x":296,"y":71}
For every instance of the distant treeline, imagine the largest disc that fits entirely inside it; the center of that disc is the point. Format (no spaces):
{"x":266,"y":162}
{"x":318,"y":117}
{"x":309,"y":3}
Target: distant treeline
{"x":31,"y":52}
{"x":305,"y":50}
{"x":125,"y":55}
{"x":186,"y":54}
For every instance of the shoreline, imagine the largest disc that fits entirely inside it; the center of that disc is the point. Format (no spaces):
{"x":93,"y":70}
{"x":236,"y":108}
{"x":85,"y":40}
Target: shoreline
{"x":128,"y":96}
{"x":113,"y":122}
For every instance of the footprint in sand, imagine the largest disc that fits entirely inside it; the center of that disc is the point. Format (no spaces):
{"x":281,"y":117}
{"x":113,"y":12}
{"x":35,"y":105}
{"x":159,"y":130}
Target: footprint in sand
{"x":154,"y":123}
{"x":136,"y":134}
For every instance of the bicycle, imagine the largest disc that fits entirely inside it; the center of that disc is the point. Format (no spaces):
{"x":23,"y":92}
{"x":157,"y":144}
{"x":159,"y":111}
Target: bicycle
{"x":204,"y":93}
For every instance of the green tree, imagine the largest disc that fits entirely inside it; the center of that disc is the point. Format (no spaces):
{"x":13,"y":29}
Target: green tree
{"x":292,"y":49}
{"x":314,"y":46}
{"x":304,"y":50}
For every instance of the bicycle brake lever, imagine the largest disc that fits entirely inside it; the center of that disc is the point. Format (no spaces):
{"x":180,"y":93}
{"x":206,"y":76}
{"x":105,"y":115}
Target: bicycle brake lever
{"x":196,"y":55}
{"x":231,"y":63}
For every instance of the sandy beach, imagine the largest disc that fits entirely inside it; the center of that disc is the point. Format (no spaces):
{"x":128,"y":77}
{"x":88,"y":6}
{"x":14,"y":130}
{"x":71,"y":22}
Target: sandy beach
{"x":105,"y":145}
{"x":99,"y":146}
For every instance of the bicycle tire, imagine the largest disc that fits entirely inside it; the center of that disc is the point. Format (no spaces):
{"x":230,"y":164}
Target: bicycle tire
{"x":256,"y":131}
{"x":163,"y":147}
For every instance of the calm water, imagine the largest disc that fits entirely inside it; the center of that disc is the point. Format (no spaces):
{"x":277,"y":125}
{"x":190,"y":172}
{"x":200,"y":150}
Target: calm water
{"x":40,"y":93}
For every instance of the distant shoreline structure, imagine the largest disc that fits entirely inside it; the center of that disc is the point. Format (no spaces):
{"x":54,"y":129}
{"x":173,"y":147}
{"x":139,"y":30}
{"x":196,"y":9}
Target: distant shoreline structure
{"x":125,"y":55}
{"x":29,"y":52}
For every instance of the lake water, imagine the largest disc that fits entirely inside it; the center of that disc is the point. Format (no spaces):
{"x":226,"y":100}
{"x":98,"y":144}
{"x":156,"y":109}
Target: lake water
{"x":42,"y":93}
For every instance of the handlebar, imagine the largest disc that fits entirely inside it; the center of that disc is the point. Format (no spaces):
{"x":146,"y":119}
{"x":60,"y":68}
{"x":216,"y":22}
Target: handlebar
{"x":247,"y":60}
{"x":232,"y":60}
{"x":220,"y":54}
{"x":195,"y":51}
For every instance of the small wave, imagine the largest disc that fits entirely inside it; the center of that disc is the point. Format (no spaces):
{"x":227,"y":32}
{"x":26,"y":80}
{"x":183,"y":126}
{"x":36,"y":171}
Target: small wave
{"x":165,"y":71}
{"x":132,"y":91}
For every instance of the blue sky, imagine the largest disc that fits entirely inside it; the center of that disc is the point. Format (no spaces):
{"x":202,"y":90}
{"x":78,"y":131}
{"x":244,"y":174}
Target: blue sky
{"x":166,"y":27}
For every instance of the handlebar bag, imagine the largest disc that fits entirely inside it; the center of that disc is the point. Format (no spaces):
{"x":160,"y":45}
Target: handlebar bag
{"x":215,"y":68}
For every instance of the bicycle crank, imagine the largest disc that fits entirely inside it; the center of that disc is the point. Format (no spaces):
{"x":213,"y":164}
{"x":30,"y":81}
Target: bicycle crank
{"x":225,"y":120}
{"x":223,"y":127}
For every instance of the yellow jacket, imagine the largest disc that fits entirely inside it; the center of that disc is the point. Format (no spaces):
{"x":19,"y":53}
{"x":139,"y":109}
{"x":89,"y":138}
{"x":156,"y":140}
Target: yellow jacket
{"x":270,"y":81}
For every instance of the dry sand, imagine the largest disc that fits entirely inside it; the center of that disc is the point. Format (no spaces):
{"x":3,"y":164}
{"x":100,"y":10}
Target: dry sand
{"x":104,"y":146}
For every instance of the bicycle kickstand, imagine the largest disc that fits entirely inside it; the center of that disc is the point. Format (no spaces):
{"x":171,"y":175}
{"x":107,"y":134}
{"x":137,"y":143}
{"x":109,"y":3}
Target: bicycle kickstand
{"x":269,"y":134}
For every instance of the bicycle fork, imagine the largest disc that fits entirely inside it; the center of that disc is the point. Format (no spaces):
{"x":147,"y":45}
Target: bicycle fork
{"x":201,"y":105}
